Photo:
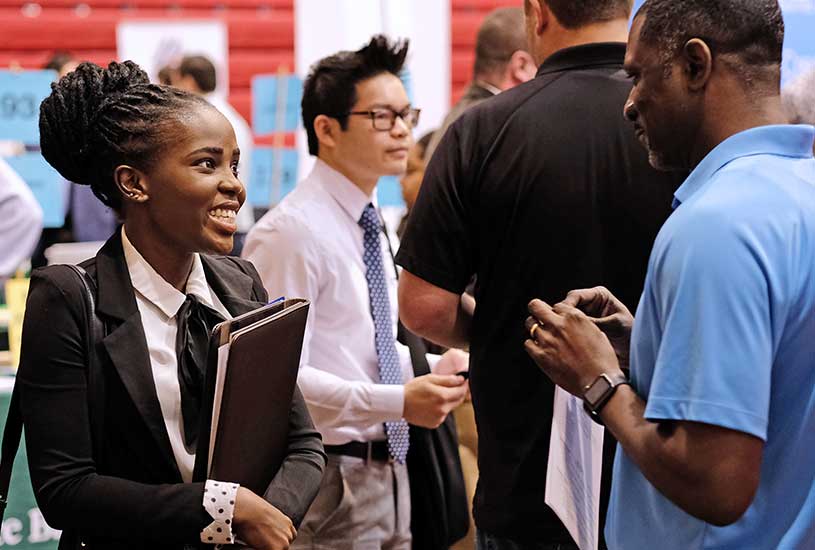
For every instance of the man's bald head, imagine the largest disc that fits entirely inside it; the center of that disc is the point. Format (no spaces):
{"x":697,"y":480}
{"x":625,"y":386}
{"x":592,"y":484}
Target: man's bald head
{"x":499,"y":37}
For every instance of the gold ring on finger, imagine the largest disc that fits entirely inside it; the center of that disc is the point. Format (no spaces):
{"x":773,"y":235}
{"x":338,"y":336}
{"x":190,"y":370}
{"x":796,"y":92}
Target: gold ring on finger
{"x":533,"y":329}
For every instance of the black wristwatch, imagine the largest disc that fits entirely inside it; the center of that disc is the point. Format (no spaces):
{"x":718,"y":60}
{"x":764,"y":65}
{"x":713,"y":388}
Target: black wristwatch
{"x":597,"y":394}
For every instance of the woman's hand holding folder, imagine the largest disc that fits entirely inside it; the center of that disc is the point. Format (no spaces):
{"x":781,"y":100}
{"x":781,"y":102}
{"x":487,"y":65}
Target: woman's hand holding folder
{"x":260,"y":525}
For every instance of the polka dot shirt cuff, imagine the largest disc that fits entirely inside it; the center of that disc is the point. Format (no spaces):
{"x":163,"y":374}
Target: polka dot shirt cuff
{"x":219,"y":502}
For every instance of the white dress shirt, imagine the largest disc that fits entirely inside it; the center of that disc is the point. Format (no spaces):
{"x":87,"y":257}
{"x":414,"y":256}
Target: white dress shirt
{"x":158,"y":302}
{"x":310,"y":246}
{"x":20,"y":221}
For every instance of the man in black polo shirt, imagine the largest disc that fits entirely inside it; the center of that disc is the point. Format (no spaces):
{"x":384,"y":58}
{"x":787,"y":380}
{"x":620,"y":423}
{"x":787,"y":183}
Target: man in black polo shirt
{"x":539,"y":190}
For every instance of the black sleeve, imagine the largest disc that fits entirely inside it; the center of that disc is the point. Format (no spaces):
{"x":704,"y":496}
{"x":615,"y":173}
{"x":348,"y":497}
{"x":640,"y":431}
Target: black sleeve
{"x":53,"y":400}
{"x":258,"y":290}
{"x":295,"y":485}
{"x":437,"y":245}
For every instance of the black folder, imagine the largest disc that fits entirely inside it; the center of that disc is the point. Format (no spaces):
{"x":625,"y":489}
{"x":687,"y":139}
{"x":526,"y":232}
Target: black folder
{"x":250,"y":413}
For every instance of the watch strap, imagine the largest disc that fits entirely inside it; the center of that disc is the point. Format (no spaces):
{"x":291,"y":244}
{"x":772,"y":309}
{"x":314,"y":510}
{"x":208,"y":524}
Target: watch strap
{"x":614,"y":381}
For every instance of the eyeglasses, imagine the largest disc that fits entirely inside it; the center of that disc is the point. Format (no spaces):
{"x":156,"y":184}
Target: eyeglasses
{"x":384,"y":118}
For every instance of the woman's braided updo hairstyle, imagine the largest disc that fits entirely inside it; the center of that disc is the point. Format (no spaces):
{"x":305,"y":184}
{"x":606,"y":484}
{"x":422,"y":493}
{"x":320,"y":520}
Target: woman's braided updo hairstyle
{"x":97,"y":119}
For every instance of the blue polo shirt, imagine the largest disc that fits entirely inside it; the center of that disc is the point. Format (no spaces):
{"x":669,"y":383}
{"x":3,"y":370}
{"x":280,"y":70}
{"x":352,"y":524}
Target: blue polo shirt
{"x":725,"y":335}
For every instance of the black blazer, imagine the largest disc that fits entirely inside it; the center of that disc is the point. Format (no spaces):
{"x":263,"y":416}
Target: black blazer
{"x":132,"y":495}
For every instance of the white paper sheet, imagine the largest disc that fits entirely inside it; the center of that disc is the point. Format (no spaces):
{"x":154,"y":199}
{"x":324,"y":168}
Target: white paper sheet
{"x":574,"y":468}
{"x":223,"y":358}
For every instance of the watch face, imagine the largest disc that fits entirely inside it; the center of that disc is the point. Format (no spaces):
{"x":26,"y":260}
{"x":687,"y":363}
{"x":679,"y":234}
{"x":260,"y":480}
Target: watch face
{"x":597,"y":390}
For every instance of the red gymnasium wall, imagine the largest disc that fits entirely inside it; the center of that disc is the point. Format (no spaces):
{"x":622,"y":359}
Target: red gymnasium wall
{"x":261,"y":33}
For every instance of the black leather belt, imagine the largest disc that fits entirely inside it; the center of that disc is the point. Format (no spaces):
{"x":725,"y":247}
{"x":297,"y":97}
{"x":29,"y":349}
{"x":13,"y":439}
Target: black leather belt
{"x":371,"y":450}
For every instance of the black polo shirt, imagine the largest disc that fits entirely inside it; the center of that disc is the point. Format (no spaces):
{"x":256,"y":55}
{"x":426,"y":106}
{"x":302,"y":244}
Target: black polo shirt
{"x":537,"y":191}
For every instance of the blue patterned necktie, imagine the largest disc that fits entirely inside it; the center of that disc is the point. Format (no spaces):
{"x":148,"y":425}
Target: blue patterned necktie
{"x":390,"y":371}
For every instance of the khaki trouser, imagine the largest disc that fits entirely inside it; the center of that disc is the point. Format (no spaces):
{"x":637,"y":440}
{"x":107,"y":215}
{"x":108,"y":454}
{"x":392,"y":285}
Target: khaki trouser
{"x":360,"y":506}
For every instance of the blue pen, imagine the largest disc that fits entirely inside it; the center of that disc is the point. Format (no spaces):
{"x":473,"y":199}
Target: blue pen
{"x":282,"y":298}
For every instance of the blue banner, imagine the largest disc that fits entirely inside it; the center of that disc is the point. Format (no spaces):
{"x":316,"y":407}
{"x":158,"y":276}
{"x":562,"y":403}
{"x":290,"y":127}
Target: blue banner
{"x":21,"y":93}
{"x":799,"y":42}
{"x":276,"y":103}
{"x":49,"y":188}
{"x":268,"y":185}
{"x":389,"y":192}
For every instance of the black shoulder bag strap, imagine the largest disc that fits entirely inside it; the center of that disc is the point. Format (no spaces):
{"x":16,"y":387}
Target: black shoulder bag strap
{"x":439,"y":513}
{"x":13,"y":431}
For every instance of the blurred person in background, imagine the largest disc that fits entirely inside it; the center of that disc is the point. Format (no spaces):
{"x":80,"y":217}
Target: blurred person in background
{"x":502,"y":61}
{"x":411,"y":180}
{"x":62,"y":62}
{"x":197,"y":74}
{"x":166,"y":75}
{"x":20,"y":222}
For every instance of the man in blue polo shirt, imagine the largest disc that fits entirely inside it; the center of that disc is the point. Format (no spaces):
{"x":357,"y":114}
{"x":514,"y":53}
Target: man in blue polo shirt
{"x":717,"y":423}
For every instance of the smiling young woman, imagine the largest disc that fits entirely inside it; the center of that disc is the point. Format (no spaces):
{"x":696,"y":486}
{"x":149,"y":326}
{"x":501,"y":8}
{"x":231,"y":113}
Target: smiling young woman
{"x":166,"y":161}
{"x":188,"y":202}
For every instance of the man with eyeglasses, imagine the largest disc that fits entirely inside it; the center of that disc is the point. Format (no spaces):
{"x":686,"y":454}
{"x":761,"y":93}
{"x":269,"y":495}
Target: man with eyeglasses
{"x":324,"y":242}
